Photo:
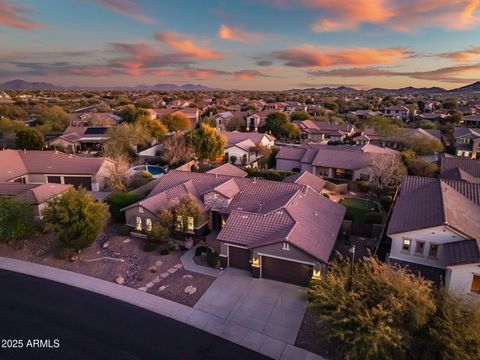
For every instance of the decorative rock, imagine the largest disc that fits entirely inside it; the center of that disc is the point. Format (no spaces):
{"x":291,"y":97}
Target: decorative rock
{"x":126,"y":241}
{"x":164,"y":275}
{"x":120,"y":280}
{"x":158,"y":263}
{"x":149,"y":285}
{"x":187,"y":276}
{"x":172,"y":270}
{"x":142,"y":288}
{"x":161,"y":288}
{"x":105,"y":245}
{"x":190,"y":290}
{"x":152,"y":269}
{"x":156,"y":280}
{"x":178,"y":266}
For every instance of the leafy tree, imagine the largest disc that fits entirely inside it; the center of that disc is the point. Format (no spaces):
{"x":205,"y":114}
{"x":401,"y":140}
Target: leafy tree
{"x":177,"y":122}
{"x":330,"y":105}
{"x":386,"y":171}
{"x":186,"y":207}
{"x":16,"y":219}
{"x":378,"y":316}
{"x":235,"y":123}
{"x":122,"y":139}
{"x":300,"y":115}
{"x":279,"y":124}
{"x":144,"y":103}
{"x":118,"y":201}
{"x":156,"y":129}
{"x":450,"y":103}
{"x":382,"y":125}
{"x":76,"y":218}
{"x":13,"y":112}
{"x":453,"y":119}
{"x":176,"y":150}
{"x":423,"y":145}
{"x":132,"y":114}
{"x":29,"y":139}
{"x":54,"y":119}
{"x":207,"y":142}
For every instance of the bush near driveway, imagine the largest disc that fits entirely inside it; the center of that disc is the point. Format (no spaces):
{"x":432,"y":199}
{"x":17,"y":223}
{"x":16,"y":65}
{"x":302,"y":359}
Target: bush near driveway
{"x":76,"y":218}
{"x":118,"y":201}
{"x":16,"y":219}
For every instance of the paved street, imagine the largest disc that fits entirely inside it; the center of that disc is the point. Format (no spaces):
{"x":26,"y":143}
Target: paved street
{"x":92,"y":326}
{"x":257,"y":312}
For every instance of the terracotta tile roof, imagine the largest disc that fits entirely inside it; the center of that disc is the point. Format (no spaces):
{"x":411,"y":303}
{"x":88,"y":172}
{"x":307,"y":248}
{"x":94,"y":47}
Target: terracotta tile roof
{"x":423,"y":203}
{"x":457,"y":168}
{"x":229,"y":170}
{"x":461,"y":252}
{"x":32,"y":193}
{"x":235,"y":137}
{"x":11,"y":165}
{"x":308,"y":179}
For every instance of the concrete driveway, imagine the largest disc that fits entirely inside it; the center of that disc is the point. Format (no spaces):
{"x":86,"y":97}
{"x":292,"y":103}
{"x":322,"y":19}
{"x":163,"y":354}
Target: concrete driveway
{"x":254,"y":309}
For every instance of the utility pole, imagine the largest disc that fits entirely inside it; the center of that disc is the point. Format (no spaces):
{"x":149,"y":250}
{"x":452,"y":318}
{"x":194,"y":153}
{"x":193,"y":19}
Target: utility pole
{"x":351,"y":250}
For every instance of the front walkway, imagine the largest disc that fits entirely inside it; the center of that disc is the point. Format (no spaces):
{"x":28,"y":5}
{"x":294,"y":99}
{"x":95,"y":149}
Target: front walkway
{"x":189,"y":264}
{"x":265,"y":344}
{"x":261,"y":314}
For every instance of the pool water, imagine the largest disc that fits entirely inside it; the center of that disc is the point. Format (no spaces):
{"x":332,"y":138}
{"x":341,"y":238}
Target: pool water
{"x":154,"y":170}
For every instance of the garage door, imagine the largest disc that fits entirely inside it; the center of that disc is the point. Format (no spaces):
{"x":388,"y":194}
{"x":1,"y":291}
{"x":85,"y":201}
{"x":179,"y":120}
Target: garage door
{"x":286,"y":271}
{"x":239,"y":258}
{"x":78,"y":181}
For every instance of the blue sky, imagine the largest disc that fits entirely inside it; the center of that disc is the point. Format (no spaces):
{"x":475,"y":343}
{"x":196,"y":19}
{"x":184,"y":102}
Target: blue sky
{"x":251,"y":44}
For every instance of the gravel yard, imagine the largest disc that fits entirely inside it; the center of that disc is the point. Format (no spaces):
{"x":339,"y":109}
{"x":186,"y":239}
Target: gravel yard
{"x":120,"y":259}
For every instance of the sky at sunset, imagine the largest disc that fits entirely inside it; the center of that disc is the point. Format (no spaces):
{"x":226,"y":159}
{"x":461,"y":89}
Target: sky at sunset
{"x":249,"y":44}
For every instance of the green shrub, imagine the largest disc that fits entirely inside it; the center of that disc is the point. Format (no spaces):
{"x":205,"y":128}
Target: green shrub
{"x":363,"y":186}
{"x":165,"y":252}
{"x":118,"y":201}
{"x":16,"y":219}
{"x":149,"y":246}
{"x":212,"y":259}
{"x":386,"y":201}
{"x":158,"y":234}
{"x":373,"y":217}
{"x":62,"y":252}
{"x":201,"y":249}
{"x":349,"y":215}
{"x":124,"y":230}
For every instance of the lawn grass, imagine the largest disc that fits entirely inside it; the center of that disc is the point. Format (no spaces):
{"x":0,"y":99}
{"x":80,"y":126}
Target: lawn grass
{"x":359,"y":208}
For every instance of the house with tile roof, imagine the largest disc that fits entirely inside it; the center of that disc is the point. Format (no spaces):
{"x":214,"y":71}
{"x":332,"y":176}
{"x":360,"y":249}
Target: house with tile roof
{"x":41,"y":167}
{"x":467,"y":142}
{"x":332,"y":161}
{"x":239,"y":144}
{"x":457,"y":168}
{"x":435,"y":231}
{"x":36,"y":195}
{"x":280,"y":230}
{"x":398,"y":111}
{"x":322,"y":132}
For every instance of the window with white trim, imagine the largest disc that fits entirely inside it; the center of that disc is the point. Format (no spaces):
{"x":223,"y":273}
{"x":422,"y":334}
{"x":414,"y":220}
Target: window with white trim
{"x":138,"y":223}
{"x":190,"y":223}
{"x":406,"y":245}
{"x":140,"y":209}
{"x":148,"y":224}
{"x":433,"y":251}
{"x":419,"y":247}
{"x":286,"y":246}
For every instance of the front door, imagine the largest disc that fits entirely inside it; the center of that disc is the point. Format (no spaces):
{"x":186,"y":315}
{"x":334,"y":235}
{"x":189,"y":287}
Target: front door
{"x":216,"y":221}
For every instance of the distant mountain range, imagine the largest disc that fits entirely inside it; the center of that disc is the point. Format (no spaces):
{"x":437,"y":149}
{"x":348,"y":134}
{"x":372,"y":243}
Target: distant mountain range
{"x":27,"y":85}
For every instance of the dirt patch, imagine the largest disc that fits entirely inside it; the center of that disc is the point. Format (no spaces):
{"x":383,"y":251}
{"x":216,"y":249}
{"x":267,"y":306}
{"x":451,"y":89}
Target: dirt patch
{"x":112,"y":256}
{"x":312,"y":336}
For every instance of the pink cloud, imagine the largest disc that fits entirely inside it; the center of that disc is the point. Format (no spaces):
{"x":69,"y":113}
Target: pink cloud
{"x":309,"y":56}
{"x":462,"y":55}
{"x":184,"y":45}
{"x":236,"y":34}
{"x":200,"y":74}
{"x":126,"y":8}
{"x":248,"y":74}
{"x":11,"y":15}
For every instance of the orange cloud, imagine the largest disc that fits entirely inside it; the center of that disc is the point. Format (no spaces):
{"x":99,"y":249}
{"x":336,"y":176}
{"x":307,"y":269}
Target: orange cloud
{"x":186,"y":46}
{"x":187,"y":72}
{"x":394,"y":14}
{"x":126,"y":8}
{"x":309,"y":56}
{"x":461,"y":56}
{"x":248,"y":74}
{"x":11,"y":15}
{"x":236,"y":34}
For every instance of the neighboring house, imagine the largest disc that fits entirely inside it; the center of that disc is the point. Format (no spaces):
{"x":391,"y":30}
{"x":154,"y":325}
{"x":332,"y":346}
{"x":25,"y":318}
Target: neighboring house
{"x":463,"y":169}
{"x":193,"y":114}
{"x":279,"y":230}
{"x":435,"y":231}
{"x":221,"y":120}
{"x":430,"y":116}
{"x":240,"y":144}
{"x":229,"y":170}
{"x":81,"y":138}
{"x":467,"y":142}
{"x":332,"y":161}
{"x":472,"y":120}
{"x":35,"y":194}
{"x":398,"y":111}
{"x":323,"y":132}
{"x":365,"y":114}
{"x":40,"y":167}
{"x":308,"y":179}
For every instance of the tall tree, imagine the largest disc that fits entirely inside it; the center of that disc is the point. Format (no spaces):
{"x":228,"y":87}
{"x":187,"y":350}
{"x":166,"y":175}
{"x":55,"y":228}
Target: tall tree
{"x":177,"y":122}
{"x":29,"y":139}
{"x":76,"y":218}
{"x":131,"y":113}
{"x":16,"y":219}
{"x":279,"y":124}
{"x":123,"y":138}
{"x":207,"y":142}
{"x":176,"y":150}
{"x":54,"y":119}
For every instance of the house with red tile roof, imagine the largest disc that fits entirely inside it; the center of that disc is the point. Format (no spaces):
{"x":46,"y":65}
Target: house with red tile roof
{"x":435,"y":231}
{"x":459,"y":168}
{"x":239,"y":144}
{"x":280,"y":230}
{"x":40,"y":167}
{"x":322,"y":132}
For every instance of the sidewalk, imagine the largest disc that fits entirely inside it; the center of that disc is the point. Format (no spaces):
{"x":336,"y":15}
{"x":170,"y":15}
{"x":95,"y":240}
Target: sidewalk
{"x":179,"y":312}
{"x":189,"y":264}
